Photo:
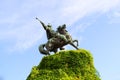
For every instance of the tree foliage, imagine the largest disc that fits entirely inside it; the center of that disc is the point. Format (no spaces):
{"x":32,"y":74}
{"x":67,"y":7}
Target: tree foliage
{"x":66,"y":65}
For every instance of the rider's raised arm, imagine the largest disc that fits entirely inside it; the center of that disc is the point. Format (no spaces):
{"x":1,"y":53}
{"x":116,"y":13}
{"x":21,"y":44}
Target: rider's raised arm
{"x":44,"y":26}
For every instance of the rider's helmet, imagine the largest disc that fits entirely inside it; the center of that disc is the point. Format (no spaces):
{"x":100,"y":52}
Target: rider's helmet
{"x":49,"y":25}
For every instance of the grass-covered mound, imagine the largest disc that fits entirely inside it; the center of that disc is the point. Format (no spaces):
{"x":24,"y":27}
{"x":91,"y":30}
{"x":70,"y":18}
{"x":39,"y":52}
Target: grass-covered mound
{"x":66,"y":65}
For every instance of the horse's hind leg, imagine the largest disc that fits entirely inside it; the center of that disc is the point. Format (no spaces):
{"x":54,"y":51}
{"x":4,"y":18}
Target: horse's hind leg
{"x":42,"y":50}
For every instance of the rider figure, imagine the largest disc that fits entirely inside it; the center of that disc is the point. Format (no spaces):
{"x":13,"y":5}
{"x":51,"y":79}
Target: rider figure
{"x":51,"y":34}
{"x":49,"y":31}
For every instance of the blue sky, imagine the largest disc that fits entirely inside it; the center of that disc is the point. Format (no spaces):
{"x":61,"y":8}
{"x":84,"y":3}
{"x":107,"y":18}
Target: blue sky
{"x":95,"y":23}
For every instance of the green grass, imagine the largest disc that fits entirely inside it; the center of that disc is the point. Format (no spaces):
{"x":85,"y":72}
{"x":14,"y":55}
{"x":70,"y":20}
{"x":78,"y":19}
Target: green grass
{"x":66,"y":65}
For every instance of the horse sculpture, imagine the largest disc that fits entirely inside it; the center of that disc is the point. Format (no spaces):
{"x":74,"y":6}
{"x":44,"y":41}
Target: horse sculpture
{"x":55,"y":41}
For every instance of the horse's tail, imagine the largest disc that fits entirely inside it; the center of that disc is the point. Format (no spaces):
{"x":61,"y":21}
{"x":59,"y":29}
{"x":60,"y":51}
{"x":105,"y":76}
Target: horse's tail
{"x":42,"y":50}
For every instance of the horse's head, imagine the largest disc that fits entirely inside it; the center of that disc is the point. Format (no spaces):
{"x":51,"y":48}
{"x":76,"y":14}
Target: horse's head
{"x":62,"y":29}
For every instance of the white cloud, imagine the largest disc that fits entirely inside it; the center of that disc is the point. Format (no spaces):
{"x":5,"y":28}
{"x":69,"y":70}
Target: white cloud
{"x":22,"y":37}
{"x":26,"y":39}
{"x":75,"y":10}
{"x":114,"y":17}
{"x":117,"y":14}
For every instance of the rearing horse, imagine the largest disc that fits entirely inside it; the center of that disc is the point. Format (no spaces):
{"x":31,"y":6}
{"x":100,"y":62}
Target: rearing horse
{"x":52,"y":46}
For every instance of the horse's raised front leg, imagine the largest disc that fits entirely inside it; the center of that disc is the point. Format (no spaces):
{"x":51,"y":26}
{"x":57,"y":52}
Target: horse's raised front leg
{"x":76,"y":42}
{"x":74,"y":46}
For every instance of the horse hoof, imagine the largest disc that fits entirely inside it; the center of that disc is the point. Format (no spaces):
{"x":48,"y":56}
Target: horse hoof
{"x":62,"y":48}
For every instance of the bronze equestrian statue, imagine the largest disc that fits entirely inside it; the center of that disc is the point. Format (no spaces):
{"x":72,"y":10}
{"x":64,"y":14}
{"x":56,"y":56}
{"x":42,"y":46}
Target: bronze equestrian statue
{"x":56,"y":39}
